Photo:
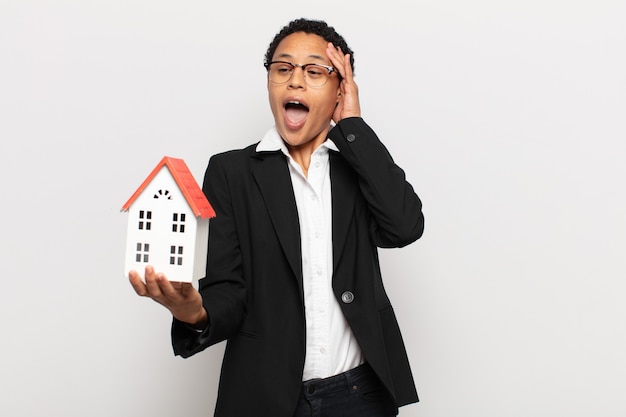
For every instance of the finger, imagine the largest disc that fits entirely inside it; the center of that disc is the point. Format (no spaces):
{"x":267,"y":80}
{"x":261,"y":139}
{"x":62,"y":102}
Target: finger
{"x":341,"y":62}
{"x":167,"y":288}
{"x":137,"y":283}
{"x":186,"y":288}
{"x":175,"y":292}
{"x":347,"y":67}
{"x":181,"y":288}
{"x":152,"y":284}
{"x":336,"y":57}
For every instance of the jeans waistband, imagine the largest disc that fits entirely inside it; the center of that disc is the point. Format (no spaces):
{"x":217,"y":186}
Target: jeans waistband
{"x":343,"y":382}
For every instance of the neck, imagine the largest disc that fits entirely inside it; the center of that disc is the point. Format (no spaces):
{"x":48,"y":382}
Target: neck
{"x":302,"y":153}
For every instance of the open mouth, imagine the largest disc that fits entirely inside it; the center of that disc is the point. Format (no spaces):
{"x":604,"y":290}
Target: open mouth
{"x":295,"y":112}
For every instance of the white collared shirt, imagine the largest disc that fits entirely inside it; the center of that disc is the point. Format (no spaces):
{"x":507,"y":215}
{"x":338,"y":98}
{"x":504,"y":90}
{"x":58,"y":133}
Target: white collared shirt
{"x":331,"y":347}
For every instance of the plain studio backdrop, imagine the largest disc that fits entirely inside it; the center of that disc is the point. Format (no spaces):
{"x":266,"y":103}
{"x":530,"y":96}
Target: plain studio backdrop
{"x":507,"y":116}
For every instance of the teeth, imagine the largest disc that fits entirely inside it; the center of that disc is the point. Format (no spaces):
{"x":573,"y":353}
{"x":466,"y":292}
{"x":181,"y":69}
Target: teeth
{"x":294,"y":102}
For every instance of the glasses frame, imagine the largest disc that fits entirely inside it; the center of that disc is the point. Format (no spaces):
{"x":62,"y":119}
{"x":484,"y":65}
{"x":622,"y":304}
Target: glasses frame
{"x":303,"y":67}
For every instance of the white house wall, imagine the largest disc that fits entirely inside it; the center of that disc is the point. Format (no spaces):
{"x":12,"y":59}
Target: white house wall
{"x":160,"y":237}
{"x":201,"y":248}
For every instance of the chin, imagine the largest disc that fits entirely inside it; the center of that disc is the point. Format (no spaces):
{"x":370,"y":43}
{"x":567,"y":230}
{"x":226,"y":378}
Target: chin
{"x":292,"y":141}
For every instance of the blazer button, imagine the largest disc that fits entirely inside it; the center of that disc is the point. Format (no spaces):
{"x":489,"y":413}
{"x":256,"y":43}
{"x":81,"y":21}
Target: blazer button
{"x":351,"y":137}
{"x":347,"y":297}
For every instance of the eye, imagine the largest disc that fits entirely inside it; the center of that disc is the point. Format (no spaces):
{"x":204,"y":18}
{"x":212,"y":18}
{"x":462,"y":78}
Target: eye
{"x":315,"y":71}
{"x":283,"y":68}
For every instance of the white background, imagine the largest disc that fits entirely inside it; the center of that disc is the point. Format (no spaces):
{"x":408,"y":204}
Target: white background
{"x":507,"y":116}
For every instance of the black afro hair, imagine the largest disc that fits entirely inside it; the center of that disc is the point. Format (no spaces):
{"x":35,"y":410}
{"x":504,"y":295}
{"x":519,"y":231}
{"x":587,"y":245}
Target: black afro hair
{"x":315,"y":27}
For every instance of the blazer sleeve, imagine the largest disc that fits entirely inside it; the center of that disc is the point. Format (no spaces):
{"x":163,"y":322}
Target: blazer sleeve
{"x":223,"y":288}
{"x":395,"y":207}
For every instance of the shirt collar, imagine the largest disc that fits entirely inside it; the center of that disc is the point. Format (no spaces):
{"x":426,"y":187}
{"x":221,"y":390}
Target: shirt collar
{"x":273,"y":142}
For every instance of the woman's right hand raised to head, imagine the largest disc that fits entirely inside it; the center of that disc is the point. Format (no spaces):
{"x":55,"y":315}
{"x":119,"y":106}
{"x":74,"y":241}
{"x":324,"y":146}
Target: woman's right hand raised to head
{"x":180,"y":298}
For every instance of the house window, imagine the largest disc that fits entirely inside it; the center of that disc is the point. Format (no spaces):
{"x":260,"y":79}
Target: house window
{"x":176,"y":255}
{"x":178,"y":223}
{"x":145,"y":220}
{"x":163,"y":194}
{"x":142,"y":253}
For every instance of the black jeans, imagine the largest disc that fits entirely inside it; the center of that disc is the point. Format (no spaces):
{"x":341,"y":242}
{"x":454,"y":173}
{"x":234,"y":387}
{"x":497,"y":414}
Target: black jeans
{"x":355,"y":393}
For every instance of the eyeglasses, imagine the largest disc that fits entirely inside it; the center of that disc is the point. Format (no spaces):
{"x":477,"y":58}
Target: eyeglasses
{"x":315,"y":75}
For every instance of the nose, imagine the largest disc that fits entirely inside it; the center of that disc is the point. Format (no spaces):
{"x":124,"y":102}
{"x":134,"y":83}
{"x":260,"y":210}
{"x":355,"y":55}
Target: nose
{"x":297,"y":78}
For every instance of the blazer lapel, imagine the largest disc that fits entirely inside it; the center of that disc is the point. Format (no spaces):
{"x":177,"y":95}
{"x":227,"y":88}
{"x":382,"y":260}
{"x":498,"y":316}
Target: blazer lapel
{"x":272,"y":177}
{"x":344,"y":187}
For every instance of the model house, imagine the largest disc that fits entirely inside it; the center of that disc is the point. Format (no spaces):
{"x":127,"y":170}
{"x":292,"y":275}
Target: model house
{"x":168,"y":223}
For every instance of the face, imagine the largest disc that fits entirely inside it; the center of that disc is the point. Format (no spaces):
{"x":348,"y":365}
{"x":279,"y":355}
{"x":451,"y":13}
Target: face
{"x":302,"y":114}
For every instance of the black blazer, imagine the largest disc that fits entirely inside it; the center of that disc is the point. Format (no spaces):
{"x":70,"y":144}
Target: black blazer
{"x":253,"y":290}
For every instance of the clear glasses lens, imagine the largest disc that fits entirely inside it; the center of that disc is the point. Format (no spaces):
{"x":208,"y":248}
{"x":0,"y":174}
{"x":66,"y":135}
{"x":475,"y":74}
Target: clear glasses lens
{"x":314,"y":75}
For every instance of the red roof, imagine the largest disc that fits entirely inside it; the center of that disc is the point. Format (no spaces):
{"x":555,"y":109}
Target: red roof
{"x":186,"y":183}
